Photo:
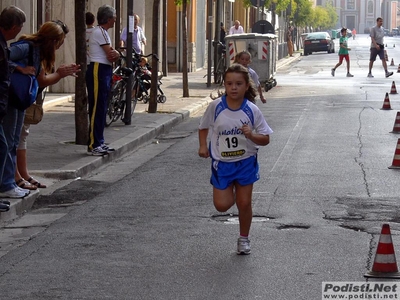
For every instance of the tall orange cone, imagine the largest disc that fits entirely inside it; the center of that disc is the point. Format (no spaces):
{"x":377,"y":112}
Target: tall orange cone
{"x":396,"y":126}
{"x":396,"y":157}
{"x":385,"y":265}
{"x":386,"y":103}
{"x":392,"y":63}
{"x":393,"y":90}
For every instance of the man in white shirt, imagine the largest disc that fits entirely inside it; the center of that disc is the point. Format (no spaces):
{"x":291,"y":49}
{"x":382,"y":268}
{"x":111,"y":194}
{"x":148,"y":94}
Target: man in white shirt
{"x":137,"y":36}
{"x":236,"y":29}
{"x":98,"y":79}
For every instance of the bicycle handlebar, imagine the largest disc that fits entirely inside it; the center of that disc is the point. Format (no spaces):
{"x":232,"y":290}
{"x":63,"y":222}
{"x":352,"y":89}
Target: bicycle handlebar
{"x":138,"y":55}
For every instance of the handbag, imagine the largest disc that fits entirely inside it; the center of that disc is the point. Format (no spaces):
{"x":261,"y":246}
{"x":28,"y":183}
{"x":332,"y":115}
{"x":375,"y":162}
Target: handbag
{"x":23,"y":88}
{"x":33,"y":114}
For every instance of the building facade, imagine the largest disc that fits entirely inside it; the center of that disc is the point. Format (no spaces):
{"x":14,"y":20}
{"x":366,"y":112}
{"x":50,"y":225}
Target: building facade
{"x":362,"y":14}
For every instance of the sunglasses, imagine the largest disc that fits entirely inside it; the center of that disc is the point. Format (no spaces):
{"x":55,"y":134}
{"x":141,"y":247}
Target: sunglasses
{"x":62,"y":25}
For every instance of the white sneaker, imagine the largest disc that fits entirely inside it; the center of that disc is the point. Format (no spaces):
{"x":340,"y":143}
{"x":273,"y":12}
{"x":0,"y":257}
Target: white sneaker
{"x":26,"y":191}
{"x":98,"y":151}
{"x":243,"y":246}
{"x":370,"y":75}
{"x":349,"y":75}
{"x":14,"y":193}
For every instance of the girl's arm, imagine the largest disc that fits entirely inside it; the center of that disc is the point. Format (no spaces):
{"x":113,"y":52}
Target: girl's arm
{"x":203,"y":149}
{"x":256,"y":138}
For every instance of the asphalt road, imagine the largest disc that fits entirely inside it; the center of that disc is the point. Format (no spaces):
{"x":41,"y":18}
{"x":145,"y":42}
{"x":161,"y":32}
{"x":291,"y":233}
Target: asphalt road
{"x":145,"y":227}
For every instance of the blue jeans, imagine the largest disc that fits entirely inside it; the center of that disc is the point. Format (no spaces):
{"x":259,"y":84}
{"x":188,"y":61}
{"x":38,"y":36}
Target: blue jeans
{"x":3,"y":151}
{"x":12,"y":125}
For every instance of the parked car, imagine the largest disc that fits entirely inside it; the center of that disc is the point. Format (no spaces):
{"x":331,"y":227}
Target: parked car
{"x":318,"y":42}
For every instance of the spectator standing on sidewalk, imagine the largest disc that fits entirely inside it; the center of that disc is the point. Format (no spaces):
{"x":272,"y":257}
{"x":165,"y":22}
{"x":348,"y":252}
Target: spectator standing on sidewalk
{"x":44,"y":44}
{"x":12,"y":20}
{"x":57,"y":30}
{"x":237,"y":129}
{"x":289,"y":40}
{"x":377,"y":47}
{"x":98,"y":79}
{"x":89,"y":18}
{"x":138,"y":37}
{"x":236,"y":28}
{"x":343,"y":53}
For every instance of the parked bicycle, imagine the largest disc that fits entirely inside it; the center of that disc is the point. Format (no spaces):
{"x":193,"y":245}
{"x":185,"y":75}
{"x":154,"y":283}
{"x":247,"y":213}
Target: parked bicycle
{"x":221,"y":64}
{"x":219,"y":70}
{"x":117,"y":98}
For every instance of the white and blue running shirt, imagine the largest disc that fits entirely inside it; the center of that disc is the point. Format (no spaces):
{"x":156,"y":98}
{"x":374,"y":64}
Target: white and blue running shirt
{"x":227,"y":140}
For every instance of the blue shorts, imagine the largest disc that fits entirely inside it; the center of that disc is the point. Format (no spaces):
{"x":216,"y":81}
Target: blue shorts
{"x":244,"y":172}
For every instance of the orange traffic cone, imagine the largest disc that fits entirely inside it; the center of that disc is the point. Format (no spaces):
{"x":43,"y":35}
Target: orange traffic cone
{"x":386,"y":103}
{"x":396,"y":157}
{"x":392,"y":63}
{"x":398,"y":69}
{"x":396,"y":126}
{"x":385,"y":265}
{"x":393,"y":90}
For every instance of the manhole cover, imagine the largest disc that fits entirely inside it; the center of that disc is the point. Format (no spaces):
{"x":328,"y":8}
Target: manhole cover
{"x":234,"y":219}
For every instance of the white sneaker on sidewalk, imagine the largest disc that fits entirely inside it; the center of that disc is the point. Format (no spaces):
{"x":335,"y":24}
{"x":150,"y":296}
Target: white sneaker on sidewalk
{"x":16,"y":192}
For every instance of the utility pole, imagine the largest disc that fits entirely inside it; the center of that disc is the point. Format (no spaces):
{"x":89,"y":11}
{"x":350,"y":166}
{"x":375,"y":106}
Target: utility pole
{"x":128,"y":95}
{"x":209,"y":31}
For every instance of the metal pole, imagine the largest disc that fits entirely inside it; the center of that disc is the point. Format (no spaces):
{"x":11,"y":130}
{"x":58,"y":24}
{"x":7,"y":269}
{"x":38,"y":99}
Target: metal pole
{"x":209,"y":30}
{"x":217,"y":30}
{"x":128,"y":94}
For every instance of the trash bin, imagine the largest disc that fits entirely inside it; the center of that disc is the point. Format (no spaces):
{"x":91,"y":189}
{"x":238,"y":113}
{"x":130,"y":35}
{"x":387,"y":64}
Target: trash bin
{"x":334,"y":34}
{"x":262,"y":48}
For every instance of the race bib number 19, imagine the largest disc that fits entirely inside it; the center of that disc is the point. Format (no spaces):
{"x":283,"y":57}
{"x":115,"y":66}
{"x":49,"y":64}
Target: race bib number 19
{"x":232,"y":146}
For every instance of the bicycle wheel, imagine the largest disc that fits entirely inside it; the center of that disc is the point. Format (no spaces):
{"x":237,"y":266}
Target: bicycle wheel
{"x":221,"y":70}
{"x":113,"y":101}
{"x":135,"y":95}
{"x":218,"y":72}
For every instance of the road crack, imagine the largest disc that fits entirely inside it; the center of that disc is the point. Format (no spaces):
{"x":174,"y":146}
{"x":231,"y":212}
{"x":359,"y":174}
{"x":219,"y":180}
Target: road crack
{"x":359,"y":158}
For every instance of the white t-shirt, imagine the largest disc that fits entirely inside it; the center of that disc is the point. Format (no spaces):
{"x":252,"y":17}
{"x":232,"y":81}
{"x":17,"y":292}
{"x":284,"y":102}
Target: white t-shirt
{"x":227,"y":140}
{"x":99,"y":38}
{"x":233,"y":30}
{"x":88,"y":34}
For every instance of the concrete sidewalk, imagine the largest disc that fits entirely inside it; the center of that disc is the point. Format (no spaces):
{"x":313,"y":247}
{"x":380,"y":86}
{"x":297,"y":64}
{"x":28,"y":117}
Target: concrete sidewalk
{"x":54,"y":159}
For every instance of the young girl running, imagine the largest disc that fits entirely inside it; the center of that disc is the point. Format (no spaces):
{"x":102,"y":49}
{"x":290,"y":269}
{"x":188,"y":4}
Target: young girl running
{"x":237,"y":127}
{"x":244,"y":58}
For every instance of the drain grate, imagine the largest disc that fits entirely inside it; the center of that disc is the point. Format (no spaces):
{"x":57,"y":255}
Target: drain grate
{"x":234,"y":218}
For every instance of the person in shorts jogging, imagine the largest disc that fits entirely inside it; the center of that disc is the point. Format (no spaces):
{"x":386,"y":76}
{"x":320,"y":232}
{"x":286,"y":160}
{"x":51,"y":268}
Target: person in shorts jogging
{"x":237,"y":128}
{"x":343,"y":53}
{"x":377,"y":47}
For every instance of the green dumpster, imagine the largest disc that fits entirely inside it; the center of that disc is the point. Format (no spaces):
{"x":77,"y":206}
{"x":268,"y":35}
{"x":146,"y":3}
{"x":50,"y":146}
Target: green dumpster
{"x":334,"y":34}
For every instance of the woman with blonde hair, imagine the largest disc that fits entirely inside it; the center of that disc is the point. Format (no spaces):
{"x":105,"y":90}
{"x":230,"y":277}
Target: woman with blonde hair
{"x":39,"y":47}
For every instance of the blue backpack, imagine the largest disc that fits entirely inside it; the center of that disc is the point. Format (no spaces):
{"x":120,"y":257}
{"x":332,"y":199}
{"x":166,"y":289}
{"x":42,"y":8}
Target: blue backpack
{"x":23,"y":88}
